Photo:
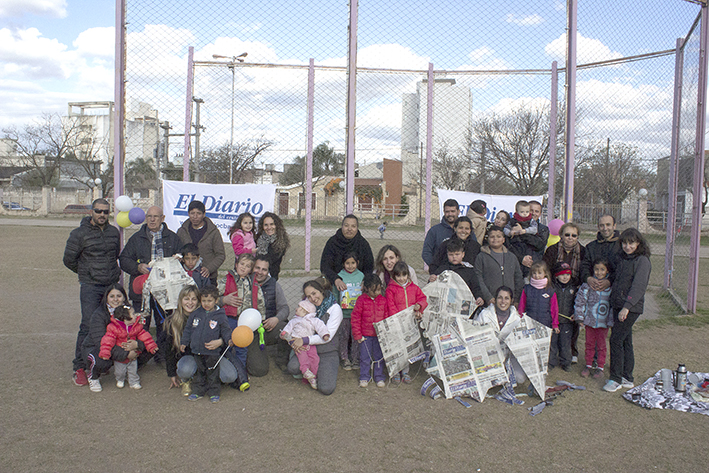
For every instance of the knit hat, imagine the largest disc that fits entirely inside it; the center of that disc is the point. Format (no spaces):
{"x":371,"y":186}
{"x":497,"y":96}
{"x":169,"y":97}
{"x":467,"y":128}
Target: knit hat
{"x":308,"y":306}
{"x":561,"y":268}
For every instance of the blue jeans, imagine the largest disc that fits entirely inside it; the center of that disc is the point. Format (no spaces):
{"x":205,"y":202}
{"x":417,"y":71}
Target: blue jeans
{"x":370,"y":354}
{"x":187,"y":367}
{"x":90,"y":296}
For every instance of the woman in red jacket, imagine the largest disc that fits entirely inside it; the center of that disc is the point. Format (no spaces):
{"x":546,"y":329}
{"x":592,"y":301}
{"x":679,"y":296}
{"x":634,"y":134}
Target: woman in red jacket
{"x":369,"y":309}
{"x":401,"y":294}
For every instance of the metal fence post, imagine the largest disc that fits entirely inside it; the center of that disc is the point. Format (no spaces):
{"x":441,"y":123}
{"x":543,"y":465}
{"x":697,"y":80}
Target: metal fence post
{"x":570,"y":109}
{"x":188,"y":115}
{"x":309,"y":163}
{"x":429,"y":150}
{"x":351,"y":107}
{"x":551,"y":201}
{"x":119,"y":109}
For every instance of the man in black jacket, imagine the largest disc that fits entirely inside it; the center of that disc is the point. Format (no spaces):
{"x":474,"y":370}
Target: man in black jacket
{"x":347,"y":239}
{"x":606,"y":246}
{"x":92,"y":252}
{"x":154,"y":240}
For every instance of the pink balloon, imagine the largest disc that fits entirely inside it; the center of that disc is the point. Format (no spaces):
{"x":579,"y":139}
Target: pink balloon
{"x":555,"y":226}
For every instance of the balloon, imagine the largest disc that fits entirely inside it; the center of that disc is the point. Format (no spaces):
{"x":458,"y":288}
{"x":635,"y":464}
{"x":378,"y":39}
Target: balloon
{"x":123,"y":203}
{"x":555,"y":226}
{"x":136,"y":215}
{"x":553,"y":240}
{"x":122,"y":219}
{"x":242,"y":336}
{"x":250,"y":318}
{"x":139,"y":282}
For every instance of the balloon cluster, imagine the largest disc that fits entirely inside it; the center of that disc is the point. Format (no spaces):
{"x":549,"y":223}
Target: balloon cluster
{"x":554,"y":227}
{"x":127,"y":214}
{"x":243,"y":334}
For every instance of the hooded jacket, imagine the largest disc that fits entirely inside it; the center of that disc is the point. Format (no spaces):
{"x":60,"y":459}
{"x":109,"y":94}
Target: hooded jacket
{"x":601,"y":248}
{"x":435,"y":236}
{"x":491,"y":275}
{"x":203,"y":327}
{"x":472,"y":248}
{"x":211,"y":246}
{"x":337,"y":247}
{"x":118,"y":333}
{"x":92,"y":253}
{"x":631,"y":278}
{"x":400,"y":297}
{"x":366,"y":313}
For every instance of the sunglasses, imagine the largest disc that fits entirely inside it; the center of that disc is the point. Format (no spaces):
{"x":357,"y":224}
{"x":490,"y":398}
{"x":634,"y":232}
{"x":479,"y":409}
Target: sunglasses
{"x":100,"y":211}
{"x":572,"y":235}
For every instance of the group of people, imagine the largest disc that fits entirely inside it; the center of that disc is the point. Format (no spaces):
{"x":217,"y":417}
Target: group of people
{"x":333,"y":324}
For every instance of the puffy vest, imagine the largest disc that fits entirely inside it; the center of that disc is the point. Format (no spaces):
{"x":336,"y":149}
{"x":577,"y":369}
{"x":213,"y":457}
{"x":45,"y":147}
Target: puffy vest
{"x":539,"y":304}
{"x":565,"y":296}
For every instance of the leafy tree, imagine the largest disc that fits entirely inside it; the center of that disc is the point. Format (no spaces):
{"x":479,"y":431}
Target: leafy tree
{"x":140,"y":174}
{"x":451,"y":170}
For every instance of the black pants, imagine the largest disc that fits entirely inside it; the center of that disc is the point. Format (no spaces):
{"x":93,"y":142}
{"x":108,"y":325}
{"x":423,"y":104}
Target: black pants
{"x":621,"y":343}
{"x":257,"y":359}
{"x":560,"y":349}
{"x":206,"y":381}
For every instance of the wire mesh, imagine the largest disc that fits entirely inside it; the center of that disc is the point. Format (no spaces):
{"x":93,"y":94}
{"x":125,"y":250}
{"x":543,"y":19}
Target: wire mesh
{"x":492,"y":77}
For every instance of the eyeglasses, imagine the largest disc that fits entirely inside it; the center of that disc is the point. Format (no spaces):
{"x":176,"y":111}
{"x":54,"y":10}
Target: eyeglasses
{"x":102,"y":211}
{"x":572,"y":235}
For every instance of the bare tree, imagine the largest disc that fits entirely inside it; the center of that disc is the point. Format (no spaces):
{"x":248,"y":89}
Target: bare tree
{"x":214,"y":162}
{"x":451,"y":169}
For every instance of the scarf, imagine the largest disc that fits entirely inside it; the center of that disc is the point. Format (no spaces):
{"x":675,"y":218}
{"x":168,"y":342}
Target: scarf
{"x":264,"y":241}
{"x":538,"y":283}
{"x":575,"y":261}
{"x":327,"y":302}
{"x":156,"y":251}
{"x":522,"y":219}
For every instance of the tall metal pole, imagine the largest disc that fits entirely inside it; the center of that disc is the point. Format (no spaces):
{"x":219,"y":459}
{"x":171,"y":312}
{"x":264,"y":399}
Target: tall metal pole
{"x":553,"y":113}
{"x":351,"y":108}
{"x":572,"y":7}
{"x":673,"y":167}
{"x":429,"y":149}
{"x":231,"y":138}
{"x":698,"y":186}
{"x":197,"y":134}
{"x":309,"y":162}
{"x":119,"y":99}
{"x":188,"y":115}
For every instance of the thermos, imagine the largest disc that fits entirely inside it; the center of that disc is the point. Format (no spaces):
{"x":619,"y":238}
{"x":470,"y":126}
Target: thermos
{"x":681,"y":378}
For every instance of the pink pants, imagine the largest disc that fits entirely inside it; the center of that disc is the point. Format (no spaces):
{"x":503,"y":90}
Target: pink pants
{"x":596,"y":343}
{"x":309,"y":360}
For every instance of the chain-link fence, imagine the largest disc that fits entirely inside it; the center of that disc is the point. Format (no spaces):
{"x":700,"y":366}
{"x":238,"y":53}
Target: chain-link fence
{"x":490,"y":124}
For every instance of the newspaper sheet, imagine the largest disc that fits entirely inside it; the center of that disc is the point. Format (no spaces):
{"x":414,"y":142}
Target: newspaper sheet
{"x":400,"y":339}
{"x":529,"y":343}
{"x":469,"y":359}
{"x":166,"y":280}
{"x":448,"y":296}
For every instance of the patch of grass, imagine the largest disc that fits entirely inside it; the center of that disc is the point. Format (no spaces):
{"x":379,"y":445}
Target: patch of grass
{"x":694,"y":321}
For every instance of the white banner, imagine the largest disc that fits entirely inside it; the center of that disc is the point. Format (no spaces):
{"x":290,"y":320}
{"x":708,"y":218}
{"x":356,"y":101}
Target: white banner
{"x":223,"y":202}
{"x":494,"y":202}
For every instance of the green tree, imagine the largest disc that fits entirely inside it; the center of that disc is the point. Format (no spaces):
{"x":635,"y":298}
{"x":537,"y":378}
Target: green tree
{"x":140,"y":174}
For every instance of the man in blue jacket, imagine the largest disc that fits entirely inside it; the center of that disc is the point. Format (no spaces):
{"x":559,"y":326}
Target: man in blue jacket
{"x":92,"y":252}
{"x":438,"y":233}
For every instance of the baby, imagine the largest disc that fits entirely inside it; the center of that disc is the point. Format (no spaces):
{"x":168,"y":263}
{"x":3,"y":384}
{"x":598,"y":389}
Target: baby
{"x":306,"y":324}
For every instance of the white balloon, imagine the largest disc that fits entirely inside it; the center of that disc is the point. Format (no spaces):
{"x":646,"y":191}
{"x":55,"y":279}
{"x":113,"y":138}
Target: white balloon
{"x":123,"y":203}
{"x":251,"y":318}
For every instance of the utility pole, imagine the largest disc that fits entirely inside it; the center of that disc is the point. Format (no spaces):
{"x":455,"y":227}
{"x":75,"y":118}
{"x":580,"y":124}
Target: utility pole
{"x":197,"y":133}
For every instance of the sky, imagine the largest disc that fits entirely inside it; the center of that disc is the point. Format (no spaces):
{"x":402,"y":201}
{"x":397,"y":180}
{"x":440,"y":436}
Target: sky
{"x":58,"y":51}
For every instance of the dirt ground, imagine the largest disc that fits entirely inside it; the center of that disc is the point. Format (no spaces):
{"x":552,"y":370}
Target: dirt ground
{"x":48,"y":424}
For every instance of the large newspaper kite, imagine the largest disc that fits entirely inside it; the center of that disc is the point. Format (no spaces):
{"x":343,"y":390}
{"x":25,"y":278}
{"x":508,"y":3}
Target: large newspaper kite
{"x":400,"y":339}
{"x":166,"y":280}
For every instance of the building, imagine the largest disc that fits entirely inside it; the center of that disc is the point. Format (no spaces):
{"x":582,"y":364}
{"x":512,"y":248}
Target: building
{"x":452,"y":116}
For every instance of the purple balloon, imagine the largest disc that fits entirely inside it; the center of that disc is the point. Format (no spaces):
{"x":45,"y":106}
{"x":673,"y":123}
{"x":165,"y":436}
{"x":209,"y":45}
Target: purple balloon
{"x":554,"y":226}
{"x":136,"y":215}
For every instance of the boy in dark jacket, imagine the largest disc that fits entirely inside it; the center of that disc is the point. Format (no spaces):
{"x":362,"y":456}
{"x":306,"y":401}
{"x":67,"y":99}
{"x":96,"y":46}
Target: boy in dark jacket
{"x":560,"y":353}
{"x":207,"y":330}
{"x":455,"y":248}
{"x":192,"y":263}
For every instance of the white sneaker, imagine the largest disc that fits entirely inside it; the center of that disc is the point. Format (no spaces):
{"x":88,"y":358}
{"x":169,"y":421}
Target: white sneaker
{"x":381,"y":384}
{"x":95,"y":385}
{"x":627,"y":384}
{"x":120,"y":383}
{"x":574,"y":360}
{"x":363,"y":383}
{"x":136,"y":386}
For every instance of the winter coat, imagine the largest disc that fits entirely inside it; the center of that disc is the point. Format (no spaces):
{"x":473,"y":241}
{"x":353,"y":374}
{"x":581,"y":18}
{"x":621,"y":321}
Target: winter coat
{"x":412,"y":276}
{"x":118,"y":333}
{"x":631,"y":278}
{"x":273,"y":296}
{"x":479,"y":225}
{"x":200,"y":281}
{"x":211,"y":246}
{"x":491,"y":275}
{"x":366,"y":313}
{"x":472,"y":248}
{"x":335,"y":250}
{"x":467,"y":273}
{"x":551,"y":258}
{"x":92,"y":253}
{"x":137,"y":250}
{"x":203,"y":327}
{"x":274,"y":259}
{"x":242,"y":242}
{"x":599,"y":248}
{"x":307,"y":326}
{"x":97,"y":329}
{"x":540,"y":304}
{"x":172,"y":354}
{"x":400,"y":297}
{"x":435,"y":236}
{"x":565,"y":295}
{"x":593,"y":307}
{"x":242,"y":287}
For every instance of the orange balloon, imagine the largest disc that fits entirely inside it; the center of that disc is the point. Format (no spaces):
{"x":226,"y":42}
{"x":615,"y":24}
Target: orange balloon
{"x":242,"y":336}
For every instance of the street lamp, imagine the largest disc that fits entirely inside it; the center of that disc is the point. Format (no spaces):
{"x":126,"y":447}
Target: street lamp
{"x":234,"y":59}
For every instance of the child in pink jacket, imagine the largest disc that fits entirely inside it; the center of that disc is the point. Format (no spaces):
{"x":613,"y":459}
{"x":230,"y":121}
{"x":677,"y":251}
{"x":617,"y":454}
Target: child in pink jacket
{"x":306,"y":324}
{"x":242,"y":235}
{"x":370,"y":308}
{"x":400,"y":294}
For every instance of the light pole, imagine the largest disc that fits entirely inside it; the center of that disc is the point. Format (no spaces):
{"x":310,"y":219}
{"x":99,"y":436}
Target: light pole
{"x":231,"y":65}
{"x":197,"y":132}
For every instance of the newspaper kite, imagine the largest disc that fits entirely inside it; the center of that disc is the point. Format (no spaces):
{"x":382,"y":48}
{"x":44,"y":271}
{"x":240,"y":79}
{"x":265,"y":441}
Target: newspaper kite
{"x":166,"y":280}
{"x":400,"y":339}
